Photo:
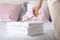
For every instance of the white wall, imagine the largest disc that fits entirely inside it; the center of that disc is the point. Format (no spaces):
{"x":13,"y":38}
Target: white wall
{"x":12,"y":1}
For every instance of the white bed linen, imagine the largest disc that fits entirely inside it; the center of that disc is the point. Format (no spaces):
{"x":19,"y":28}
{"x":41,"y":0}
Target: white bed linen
{"x":48,"y":35}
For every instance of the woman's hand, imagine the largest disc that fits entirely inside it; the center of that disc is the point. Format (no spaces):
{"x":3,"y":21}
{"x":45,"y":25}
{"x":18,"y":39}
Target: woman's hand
{"x":36,"y":8}
{"x":24,"y":18}
{"x":35,"y":11}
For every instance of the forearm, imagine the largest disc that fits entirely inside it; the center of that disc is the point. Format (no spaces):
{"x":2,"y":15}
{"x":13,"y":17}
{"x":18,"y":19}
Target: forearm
{"x":39,"y":3}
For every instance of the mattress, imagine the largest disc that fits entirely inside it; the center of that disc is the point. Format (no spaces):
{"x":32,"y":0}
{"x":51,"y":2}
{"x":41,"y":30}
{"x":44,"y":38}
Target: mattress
{"x":48,"y":34}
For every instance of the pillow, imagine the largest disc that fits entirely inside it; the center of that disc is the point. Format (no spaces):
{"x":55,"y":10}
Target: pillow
{"x":9,"y":12}
{"x":22,"y":11}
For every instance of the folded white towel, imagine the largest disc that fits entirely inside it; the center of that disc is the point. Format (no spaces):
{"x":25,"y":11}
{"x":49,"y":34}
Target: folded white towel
{"x":35,"y":28}
{"x":17,"y":28}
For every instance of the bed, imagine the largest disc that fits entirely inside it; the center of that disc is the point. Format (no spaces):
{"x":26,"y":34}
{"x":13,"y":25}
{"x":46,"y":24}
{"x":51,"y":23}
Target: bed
{"x":49,"y":33}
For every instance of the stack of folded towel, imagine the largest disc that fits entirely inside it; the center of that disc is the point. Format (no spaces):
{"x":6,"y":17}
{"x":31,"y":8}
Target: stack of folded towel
{"x":18,"y":29}
{"x":35,"y":28}
{"x":24,"y":28}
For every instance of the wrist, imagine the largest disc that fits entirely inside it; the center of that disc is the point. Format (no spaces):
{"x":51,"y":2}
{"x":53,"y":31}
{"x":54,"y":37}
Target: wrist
{"x":37,"y":7}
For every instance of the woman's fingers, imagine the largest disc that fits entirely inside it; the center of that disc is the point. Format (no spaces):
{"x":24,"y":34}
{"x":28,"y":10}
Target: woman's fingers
{"x":35,"y":12}
{"x":24,"y":18}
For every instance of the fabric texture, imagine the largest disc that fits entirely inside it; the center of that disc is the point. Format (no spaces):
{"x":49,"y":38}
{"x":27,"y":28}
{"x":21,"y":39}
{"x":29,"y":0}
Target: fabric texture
{"x":9,"y":12}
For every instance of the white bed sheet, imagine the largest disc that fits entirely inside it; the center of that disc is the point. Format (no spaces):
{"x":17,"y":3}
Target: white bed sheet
{"x":48,"y":35}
